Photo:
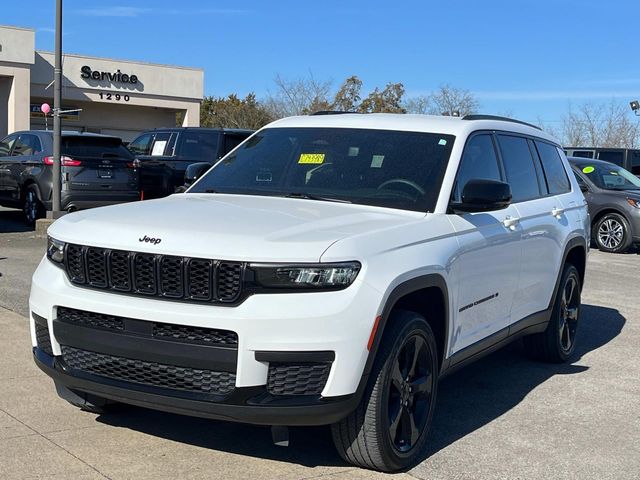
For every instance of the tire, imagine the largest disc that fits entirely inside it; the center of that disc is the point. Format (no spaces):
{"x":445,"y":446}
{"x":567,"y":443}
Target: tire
{"x":558,"y":342}
{"x":32,"y":207}
{"x":364,"y":438}
{"x":612,"y":233}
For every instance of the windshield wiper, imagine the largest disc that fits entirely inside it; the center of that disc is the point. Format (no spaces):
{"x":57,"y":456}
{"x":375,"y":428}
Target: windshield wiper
{"x":308,"y":196}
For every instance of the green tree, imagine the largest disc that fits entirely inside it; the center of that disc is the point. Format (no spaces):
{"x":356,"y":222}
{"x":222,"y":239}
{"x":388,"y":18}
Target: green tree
{"x":233,"y":112}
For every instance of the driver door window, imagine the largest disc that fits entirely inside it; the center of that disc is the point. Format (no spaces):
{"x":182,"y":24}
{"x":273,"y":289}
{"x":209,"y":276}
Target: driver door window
{"x":479,"y":161}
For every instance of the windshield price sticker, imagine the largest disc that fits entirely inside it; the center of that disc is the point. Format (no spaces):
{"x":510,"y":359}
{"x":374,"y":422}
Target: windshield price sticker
{"x":311,"y":158}
{"x":588,"y":169}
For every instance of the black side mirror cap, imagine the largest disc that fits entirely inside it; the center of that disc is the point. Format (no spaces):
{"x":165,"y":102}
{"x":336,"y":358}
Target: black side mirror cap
{"x":195,"y":171}
{"x":583,"y":188}
{"x":484,"y":195}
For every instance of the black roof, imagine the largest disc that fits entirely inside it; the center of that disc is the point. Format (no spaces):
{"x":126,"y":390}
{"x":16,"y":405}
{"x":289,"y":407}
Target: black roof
{"x":206,"y":129}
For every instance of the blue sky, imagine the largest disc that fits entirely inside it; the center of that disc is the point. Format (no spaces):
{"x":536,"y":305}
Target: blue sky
{"x":529,"y":58}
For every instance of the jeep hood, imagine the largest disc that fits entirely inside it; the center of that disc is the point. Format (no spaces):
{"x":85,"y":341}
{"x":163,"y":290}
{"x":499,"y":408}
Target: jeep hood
{"x":228,"y":227}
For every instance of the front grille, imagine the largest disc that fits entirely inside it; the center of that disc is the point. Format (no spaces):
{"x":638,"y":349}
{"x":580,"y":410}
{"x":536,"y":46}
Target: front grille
{"x":43,"y":340}
{"x":161,"y":276}
{"x":149,"y":373}
{"x":161,"y":331}
{"x":297,"y":379}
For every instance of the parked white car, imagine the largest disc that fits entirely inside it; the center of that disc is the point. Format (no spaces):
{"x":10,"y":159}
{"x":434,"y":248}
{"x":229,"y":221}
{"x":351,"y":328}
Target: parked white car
{"x":329,"y":270}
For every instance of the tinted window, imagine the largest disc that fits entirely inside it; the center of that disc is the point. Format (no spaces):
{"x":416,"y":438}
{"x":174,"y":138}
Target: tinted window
{"x":519,"y":168}
{"x":582,"y":154}
{"x":634,"y":156}
{"x":161,"y":144}
{"x":479,"y":160}
{"x":200,"y":145}
{"x":554,"y":172}
{"x":26,"y":145}
{"x":94,"y":147}
{"x":373,"y":167}
{"x":141,"y":145}
{"x":6,"y":144}
{"x":613,"y":157}
{"x":232,"y":141}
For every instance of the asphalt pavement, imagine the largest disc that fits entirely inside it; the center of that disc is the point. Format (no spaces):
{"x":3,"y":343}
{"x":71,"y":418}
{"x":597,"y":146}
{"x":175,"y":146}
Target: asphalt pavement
{"x":504,"y":417}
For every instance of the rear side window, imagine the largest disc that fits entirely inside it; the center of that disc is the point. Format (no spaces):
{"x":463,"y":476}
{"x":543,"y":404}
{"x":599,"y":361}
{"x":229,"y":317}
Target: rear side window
{"x":582,"y":154}
{"x":162,"y":144}
{"x":6,"y":144}
{"x":554,"y":172}
{"x":613,"y":157}
{"x":634,"y":156}
{"x":519,"y":168}
{"x":479,"y":161}
{"x":26,"y":144}
{"x":200,"y":146}
{"x":95,"y":147}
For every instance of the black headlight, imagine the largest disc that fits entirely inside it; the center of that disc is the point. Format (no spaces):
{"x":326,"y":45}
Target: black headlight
{"x":328,"y":276}
{"x":55,"y":251}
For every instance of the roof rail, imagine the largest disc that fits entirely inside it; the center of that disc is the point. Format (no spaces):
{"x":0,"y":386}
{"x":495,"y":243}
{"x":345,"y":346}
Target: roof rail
{"x":330,"y":112}
{"x":497,"y":117}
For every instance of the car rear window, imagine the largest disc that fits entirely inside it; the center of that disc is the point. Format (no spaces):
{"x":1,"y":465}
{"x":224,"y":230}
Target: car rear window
{"x":96,"y":147}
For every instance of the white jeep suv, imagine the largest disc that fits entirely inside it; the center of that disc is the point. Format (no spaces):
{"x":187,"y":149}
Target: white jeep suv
{"x":329,"y":270}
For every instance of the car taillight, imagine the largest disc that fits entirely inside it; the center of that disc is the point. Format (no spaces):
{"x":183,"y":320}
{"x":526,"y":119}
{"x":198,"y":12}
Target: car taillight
{"x":65,"y":161}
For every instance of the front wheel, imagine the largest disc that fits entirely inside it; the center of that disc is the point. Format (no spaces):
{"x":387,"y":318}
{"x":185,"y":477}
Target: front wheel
{"x":388,"y":430}
{"x":612,"y":233}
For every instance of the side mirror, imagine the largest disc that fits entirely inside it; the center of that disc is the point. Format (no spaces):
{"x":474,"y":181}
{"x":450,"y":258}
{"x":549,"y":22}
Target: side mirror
{"x":194,"y":172}
{"x":583,"y":188}
{"x":483,"y":195}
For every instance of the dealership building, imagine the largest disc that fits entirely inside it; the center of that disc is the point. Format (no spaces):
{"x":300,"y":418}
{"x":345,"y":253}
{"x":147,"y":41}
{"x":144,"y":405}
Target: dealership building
{"x":115,"y":97}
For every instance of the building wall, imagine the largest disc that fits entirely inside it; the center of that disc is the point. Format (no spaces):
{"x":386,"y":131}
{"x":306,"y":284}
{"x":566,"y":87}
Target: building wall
{"x":16,"y":60}
{"x":126,"y":96}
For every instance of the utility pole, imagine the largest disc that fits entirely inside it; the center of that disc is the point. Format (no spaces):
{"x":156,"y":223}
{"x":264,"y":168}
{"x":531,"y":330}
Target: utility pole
{"x":57,"y":107}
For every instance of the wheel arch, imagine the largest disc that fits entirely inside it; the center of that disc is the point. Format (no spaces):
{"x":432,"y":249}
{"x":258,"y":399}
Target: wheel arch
{"x":575,"y":252}
{"x":25,"y":185}
{"x":426,"y":295}
{"x":605,"y":211}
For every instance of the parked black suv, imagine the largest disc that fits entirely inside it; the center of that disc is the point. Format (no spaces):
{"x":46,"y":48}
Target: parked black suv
{"x":626,"y":158}
{"x":96,"y":170}
{"x":166,"y":153}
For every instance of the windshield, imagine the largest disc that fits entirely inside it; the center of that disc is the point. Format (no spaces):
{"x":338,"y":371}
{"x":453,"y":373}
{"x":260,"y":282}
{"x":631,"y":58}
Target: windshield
{"x":609,"y":176}
{"x":371,"y":167}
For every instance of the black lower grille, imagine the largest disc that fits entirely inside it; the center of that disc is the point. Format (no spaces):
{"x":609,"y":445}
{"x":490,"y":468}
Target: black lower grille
{"x":149,"y":373}
{"x":43,"y":340}
{"x":157,"y":330}
{"x":297,"y":379}
{"x":148,"y":274}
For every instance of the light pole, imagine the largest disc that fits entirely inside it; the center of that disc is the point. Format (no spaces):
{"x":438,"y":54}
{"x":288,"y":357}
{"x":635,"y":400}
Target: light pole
{"x":57,"y":107}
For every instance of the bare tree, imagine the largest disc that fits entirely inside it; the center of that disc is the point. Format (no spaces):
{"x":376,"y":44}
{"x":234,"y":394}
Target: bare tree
{"x":600,"y":125}
{"x":298,"y":97}
{"x":446,"y":100}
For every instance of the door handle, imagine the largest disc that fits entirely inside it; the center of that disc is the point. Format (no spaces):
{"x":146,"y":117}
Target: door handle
{"x":557,"y":212}
{"x":511,"y":222}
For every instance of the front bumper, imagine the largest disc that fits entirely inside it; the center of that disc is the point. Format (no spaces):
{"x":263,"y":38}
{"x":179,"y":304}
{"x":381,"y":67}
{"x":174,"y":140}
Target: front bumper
{"x":339,"y":322}
{"x":246,"y":405}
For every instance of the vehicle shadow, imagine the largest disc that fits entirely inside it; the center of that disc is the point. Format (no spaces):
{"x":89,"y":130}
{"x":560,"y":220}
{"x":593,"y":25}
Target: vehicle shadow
{"x":467,"y":400}
{"x":11,"y":221}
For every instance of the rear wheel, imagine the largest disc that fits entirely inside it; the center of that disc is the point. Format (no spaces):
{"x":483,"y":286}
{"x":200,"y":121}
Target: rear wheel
{"x":558,"y":342}
{"x":32,"y":207}
{"x":388,"y":430}
{"x":612,"y":233}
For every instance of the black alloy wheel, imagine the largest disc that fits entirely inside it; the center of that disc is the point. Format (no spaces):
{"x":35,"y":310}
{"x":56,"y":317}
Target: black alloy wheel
{"x":410,"y":393}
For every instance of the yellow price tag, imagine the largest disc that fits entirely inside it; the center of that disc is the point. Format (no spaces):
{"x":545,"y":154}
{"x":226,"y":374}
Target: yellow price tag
{"x":311,"y":158}
{"x":588,"y":169}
